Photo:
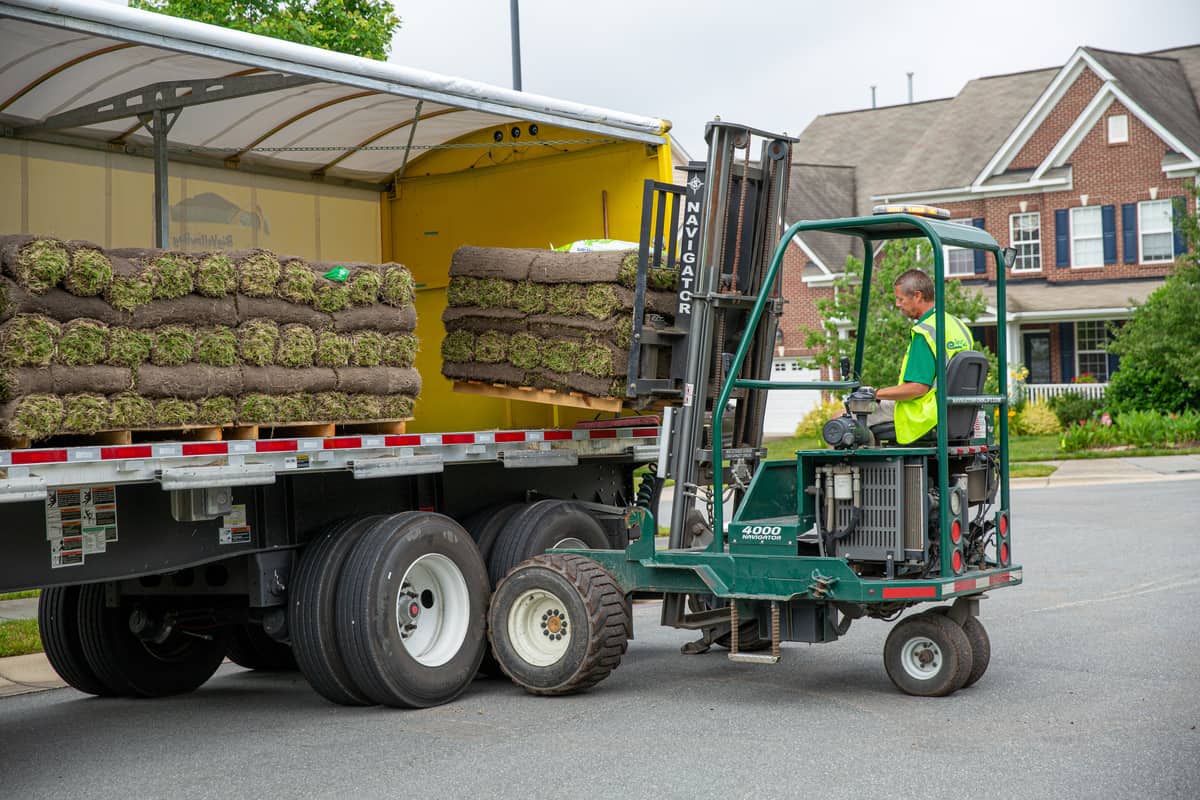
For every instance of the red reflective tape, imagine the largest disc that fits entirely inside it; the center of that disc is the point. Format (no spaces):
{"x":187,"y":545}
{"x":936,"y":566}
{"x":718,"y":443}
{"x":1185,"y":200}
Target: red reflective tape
{"x":334,"y":442}
{"x":136,"y":451}
{"x":275,"y":446}
{"x":605,"y":434}
{"x":38,"y":456}
{"x":965,"y":586}
{"x":510,"y":436}
{"x":205,"y":449}
{"x":901,"y":592}
{"x":458,"y":438}
{"x":645,"y":431}
{"x":1003,"y":577}
{"x":556,"y":436}
{"x":397,"y":440}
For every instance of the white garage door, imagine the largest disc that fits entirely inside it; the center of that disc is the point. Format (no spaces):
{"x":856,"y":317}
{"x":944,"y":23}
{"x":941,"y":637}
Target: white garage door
{"x":784,"y":409}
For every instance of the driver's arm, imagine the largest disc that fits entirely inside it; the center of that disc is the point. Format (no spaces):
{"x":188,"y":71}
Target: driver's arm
{"x":909,"y":390}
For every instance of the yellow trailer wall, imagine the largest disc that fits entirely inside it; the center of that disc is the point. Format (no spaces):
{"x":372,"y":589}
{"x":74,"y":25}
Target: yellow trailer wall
{"x":536,"y":196}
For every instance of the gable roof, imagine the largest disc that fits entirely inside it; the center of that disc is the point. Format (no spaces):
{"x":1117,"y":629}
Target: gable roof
{"x":1160,"y":85}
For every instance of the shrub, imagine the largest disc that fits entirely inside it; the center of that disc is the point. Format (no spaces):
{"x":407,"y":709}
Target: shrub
{"x":1142,"y":428}
{"x":1135,"y":387}
{"x":1086,"y":435}
{"x":812,"y":422}
{"x":1036,"y":419}
{"x":1073,"y":407}
{"x":1185,"y":427}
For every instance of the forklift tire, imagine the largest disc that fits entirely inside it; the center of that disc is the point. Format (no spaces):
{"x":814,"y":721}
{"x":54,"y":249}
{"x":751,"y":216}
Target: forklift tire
{"x":59,"y":627}
{"x":312,"y":611}
{"x":558,"y":624}
{"x":484,"y":526}
{"x":129,"y":666}
{"x":539,"y":527}
{"x":249,"y":647}
{"x":411,"y":610}
{"x":981,"y":645}
{"x":927,"y":655}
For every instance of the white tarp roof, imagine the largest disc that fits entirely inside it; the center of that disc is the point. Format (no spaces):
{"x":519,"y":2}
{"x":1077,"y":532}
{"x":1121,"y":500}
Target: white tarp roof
{"x":59,"y":56}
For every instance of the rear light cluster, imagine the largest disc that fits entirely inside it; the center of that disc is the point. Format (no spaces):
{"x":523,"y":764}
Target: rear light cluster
{"x":1003,"y":547}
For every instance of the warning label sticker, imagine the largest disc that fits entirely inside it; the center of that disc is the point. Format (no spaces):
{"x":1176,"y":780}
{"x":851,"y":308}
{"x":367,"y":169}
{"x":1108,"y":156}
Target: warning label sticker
{"x":234,"y":528}
{"x":80,"y":521}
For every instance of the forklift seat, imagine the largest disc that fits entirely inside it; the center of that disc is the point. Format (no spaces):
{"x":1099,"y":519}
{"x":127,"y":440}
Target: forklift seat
{"x":965,"y":376}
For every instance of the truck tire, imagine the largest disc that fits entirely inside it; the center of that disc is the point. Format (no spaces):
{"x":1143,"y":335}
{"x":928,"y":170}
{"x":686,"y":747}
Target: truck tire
{"x":129,"y":666}
{"x":59,"y":627}
{"x":981,"y":645}
{"x":927,"y":655}
{"x":312,"y":610}
{"x":484,"y":526}
{"x":539,"y":527}
{"x":411,"y":610}
{"x":251,"y":648}
{"x":558,"y":624}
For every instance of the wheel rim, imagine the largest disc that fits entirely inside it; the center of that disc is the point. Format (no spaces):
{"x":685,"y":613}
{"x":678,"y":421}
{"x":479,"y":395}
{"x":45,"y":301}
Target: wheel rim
{"x":538,"y":628}
{"x":921,"y":658}
{"x":570,"y":542}
{"x":433,"y":610}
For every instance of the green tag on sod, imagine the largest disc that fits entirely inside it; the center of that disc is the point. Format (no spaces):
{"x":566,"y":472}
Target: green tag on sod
{"x":338,"y":274}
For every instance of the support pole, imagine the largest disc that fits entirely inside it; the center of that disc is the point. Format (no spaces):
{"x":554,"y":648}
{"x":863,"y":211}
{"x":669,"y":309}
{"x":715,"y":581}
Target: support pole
{"x":159,"y":123}
{"x":515,"y":18}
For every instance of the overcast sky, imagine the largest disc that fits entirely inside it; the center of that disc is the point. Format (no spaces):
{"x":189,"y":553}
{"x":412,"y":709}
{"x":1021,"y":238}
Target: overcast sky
{"x":771,"y":64}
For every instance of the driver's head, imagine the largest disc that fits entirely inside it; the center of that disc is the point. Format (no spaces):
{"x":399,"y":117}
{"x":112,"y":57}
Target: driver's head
{"x":914,"y":293}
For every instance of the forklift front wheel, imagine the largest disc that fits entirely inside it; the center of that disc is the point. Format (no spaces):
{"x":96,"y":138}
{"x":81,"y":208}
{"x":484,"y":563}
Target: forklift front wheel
{"x":927,"y":655}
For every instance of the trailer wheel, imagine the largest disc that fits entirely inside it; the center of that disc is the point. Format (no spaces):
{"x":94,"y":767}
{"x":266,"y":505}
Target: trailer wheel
{"x":981,"y":645}
{"x":558,"y":624}
{"x":58,"y":623}
{"x":411,"y":610}
{"x":539,"y":527}
{"x":249,"y":647}
{"x":127,"y":665}
{"x":927,"y":656}
{"x":312,"y":612}
{"x":484,"y":526}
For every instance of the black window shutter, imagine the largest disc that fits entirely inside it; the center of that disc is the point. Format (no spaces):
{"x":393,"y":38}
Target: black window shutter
{"x":1129,"y":227}
{"x":1178,"y":210}
{"x":980,"y":256}
{"x":1108,"y":219}
{"x":1114,"y":364}
{"x":1066,"y":349}
{"x":1062,"y":239}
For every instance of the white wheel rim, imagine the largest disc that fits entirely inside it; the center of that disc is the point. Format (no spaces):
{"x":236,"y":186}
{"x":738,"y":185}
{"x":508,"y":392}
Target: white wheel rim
{"x":433,"y":610}
{"x":921,"y":658}
{"x":538,"y":628}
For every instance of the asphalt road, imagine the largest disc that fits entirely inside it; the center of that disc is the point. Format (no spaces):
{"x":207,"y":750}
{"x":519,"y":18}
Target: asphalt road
{"x":1093,"y":692}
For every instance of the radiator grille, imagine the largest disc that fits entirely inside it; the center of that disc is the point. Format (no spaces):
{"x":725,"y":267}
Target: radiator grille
{"x":881,"y":529}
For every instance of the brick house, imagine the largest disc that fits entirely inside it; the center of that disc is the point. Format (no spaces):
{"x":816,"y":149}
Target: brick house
{"x":1080,"y":168}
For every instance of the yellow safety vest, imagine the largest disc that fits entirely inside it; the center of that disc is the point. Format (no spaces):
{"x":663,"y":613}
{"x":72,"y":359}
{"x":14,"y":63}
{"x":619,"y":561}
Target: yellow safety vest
{"x":916,"y":417}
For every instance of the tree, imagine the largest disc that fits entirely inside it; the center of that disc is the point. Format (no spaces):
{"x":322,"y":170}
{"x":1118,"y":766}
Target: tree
{"x":1160,"y":345}
{"x":358,"y":27}
{"x":888,"y":331}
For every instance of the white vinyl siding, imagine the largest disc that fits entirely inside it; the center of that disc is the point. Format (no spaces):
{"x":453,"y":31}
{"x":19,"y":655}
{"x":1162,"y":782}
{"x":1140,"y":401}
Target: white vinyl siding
{"x":1091,"y":348}
{"x":1156,"y":238}
{"x":1025,"y":232}
{"x":1087,"y":237}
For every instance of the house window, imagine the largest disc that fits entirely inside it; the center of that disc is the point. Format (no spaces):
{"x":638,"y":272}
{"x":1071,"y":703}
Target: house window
{"x":1025,"y":232}
{"x":1087,"y":237}
{"x":1118,"y":129}
{"x":959,"y":260}
{"x":1091,"y":348}
{"x":1155,"y":232}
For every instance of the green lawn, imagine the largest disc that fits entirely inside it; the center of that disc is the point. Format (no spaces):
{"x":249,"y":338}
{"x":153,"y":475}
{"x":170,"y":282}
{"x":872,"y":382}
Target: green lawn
{"x":19,"y":637}
{"x":20,"y":595}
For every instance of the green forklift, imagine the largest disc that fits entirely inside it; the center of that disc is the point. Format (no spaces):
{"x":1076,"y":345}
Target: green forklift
{"x":863,"y":528}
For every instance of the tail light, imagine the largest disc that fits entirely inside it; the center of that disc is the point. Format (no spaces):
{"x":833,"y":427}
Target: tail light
{"x":956,"y":532}
{"x":956,"y":561}
{"x":1004,"y":554}
{"x":1004,"y":524}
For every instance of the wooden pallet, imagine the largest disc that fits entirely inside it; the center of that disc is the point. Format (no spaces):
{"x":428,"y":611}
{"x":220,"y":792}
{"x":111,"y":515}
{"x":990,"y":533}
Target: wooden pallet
{"x":209,"y":433}
{"x":529,"y":394}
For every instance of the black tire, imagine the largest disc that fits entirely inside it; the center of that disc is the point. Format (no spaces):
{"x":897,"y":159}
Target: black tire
{"x":429,"y":655}
{"x":570,"y":597}
{"x":312,"y":612}
{"x":981,"y":645}
{"x":58,"y":623}
{"x":251,"y":648}
{"x":538,"y":528}
{"x":129,"y":666}
{"x":748,"y":638}
{"x":485,"y":526}
{"x":927,"y":655}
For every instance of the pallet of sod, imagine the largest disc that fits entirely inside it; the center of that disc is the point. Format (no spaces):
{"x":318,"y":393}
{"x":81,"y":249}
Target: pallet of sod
{"x":94,"y":340}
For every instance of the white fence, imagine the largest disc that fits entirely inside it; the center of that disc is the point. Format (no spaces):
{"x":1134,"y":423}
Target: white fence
{"x":1044,"y":391}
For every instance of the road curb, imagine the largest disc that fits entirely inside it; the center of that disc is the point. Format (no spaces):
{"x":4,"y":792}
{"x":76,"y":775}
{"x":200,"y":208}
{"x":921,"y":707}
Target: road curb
{"x":28,"y":673}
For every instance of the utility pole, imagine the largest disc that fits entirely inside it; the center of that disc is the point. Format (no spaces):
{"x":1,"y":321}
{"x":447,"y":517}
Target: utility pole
{"x":909,"y":81}
{"x":515,"y":17}
{"x":872,"y":97}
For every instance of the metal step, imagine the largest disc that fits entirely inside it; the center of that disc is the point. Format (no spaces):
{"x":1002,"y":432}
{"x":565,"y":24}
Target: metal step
{"x":754,"y":658}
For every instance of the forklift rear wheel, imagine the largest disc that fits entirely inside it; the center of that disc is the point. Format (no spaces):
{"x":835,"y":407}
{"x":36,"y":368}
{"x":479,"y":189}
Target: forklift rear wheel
{"x":249,"y":647}
{"x":312,"y":610}
{"x":539,"y":527}
{"x":558,"y":624}
{"x":927,"y":656}
{"x":981,"y":645}
{"x":411,"y":610}
{"x":59,"y":627}
{"x":181,"y":662}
